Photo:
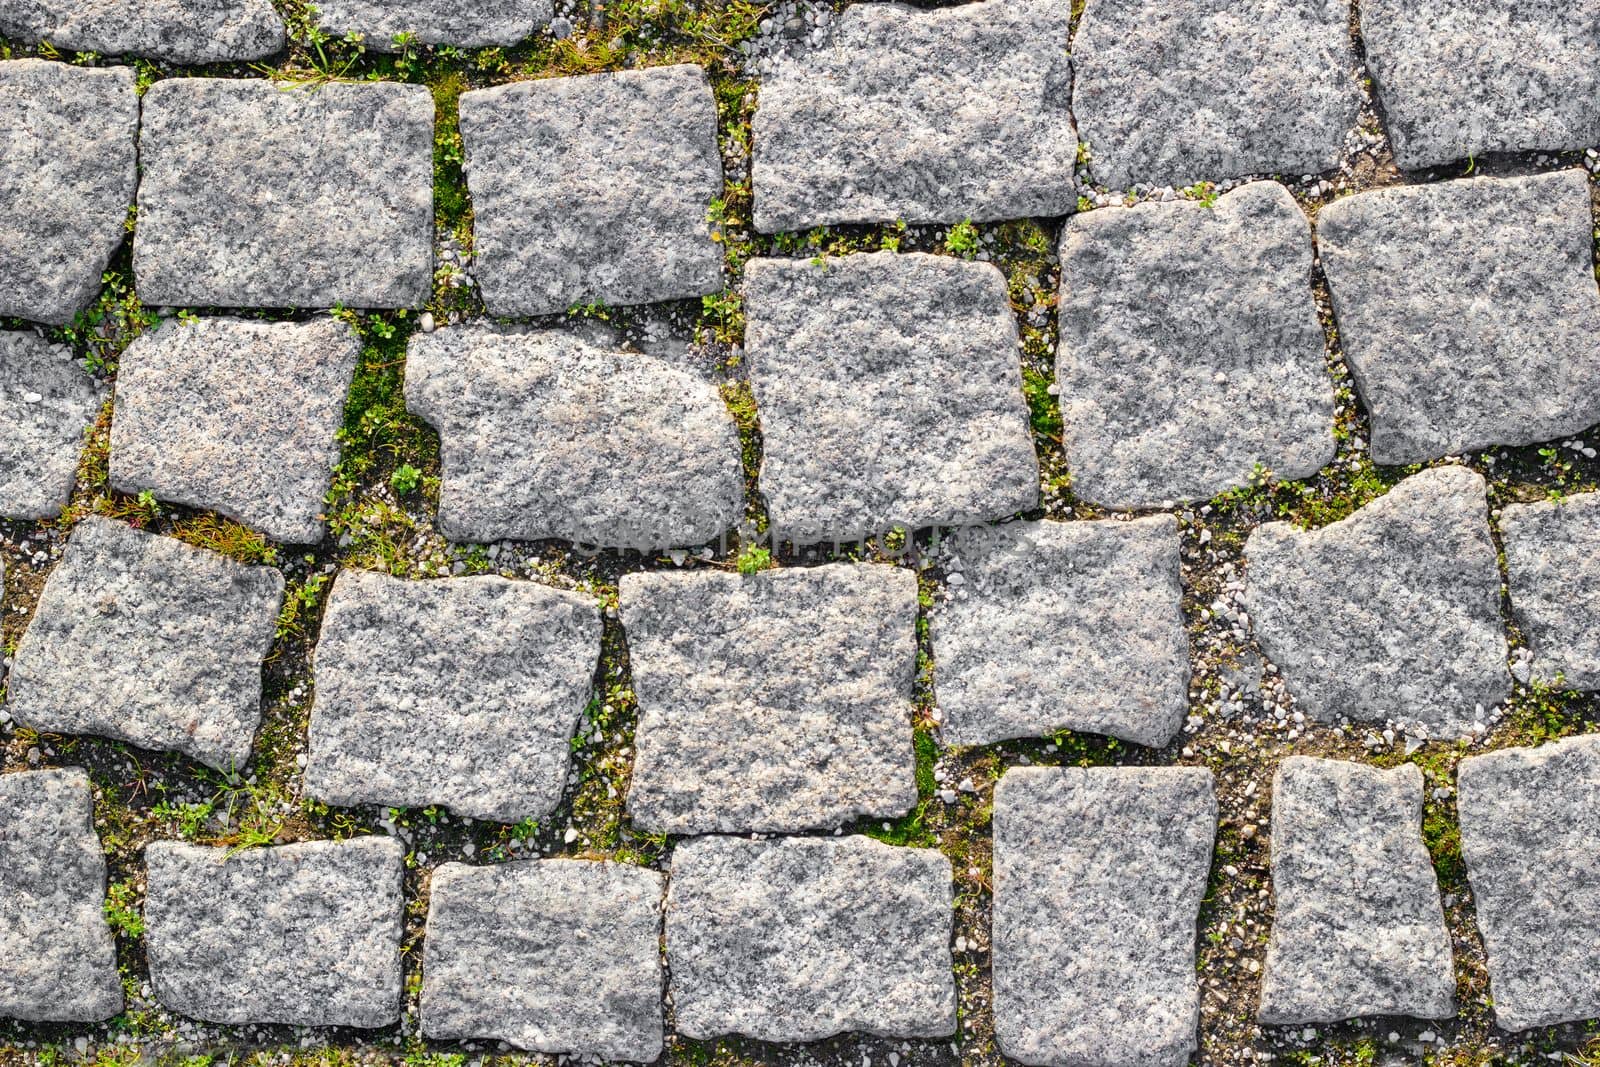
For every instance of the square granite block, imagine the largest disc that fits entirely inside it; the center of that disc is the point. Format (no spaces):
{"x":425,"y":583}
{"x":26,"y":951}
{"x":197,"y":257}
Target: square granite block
{"x":47,"y":403}
{"x":1553,"y":561}
{"x":462,"y":23}
{"x":175,"y":31}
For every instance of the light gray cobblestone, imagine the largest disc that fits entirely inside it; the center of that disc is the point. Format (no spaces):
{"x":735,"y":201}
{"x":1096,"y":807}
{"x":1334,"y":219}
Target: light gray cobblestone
{"x":47,"y":405}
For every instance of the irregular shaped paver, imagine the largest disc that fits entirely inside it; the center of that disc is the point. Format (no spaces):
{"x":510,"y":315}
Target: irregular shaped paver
{"x":1468,"y":311}
{"x":305,"y":934}
{"x":800,"y":938}
{"x":1459,"y":78}
{"x":1530,"y":818}
{"x":1553,"y":562}
{"x":57,"y":959}
{"x":593,"y":189}
{"x":1191,"y":354}
{"x":255,"y":195}
{"x":560,"y":956}
{"x":46,"y":404}
{"x":890,"y":393}
{"x":177,"y":31}
{"x":779,"y":701}
{"x":67,"y":174}
{"x":148,"y":640}
{"x":461,"y":692}
{"x":1171,"y":93}
{"x":926,"y":116}
{"x":1063,"y":625}
{"x":236,"y":416}
{"x":544,"y":435}
{"x":1098,"y":878}
{"x":1390,"y":614}
{"x":1357,"y":927}
{"x":463,"y":23}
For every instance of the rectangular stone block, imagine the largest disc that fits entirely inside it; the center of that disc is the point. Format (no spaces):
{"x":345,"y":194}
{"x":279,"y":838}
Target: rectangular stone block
{"x":47,"y":405}
{"x":461,"y":23}
{"x":175,"y":31}
{"x":1553,"y":561}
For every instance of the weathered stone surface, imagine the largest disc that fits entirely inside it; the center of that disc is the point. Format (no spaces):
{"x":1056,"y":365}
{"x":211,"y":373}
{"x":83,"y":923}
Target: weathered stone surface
{"x":544,"y":435}
{"x":462,"y":692}
{"x":1168,"y":94}
{"x":560,"y":956}
{"x":780,"y":701}
{"x":1553,"y":561}
{"x":1098,"y":878}
{"x":800,"y":938}
{"x":594,"y":188}
{"x":1357,"y":928}
{"x":150,"y":641}
{"x":57,"y":959}
{"x":1063,"y":625}
{"x":252,"y":195}
{"x":305,"y":934}
{"x":46,"y":404}
{"x":463,"y":23}
{"x":1459,"y":78}
{"x":1390,"y":614}
{"x":926,"y":116}
{"x":1468,"y":310}
{"x":177,"y":31}
{"x":1530,"y":818}
{"x":236,"y":416}
{"x":890,"y":393}
{"x":67,"y":174}
{"x":1191,"y":352}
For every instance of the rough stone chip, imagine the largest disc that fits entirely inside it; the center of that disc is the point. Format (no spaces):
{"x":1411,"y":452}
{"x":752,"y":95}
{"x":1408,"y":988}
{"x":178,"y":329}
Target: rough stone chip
{"x":546,"y":436}
{"x":462,"y":23}
{"x":463,"y":692}
{"x":1530,"y":818}
{"x":926,"y":116}
{"x":557,"y":956}
{"x":1168,"y":94}
{"x":1357,"y":929}
{"x":1461,"y":78}
{"x":151,"y":641}
{"x":1553,"y":560}
{"x":1098,"y":878}
{"x":46,"y":404}
{"x":1390,"y":614}
{"x":594,"y":188}
{"x":67,"y":174}
{"x":238,"y":417}
{"x":177,"y":31}
{"x":1063,"y":625}
{"x":1469,"y":311}
{"x":1191,"y":353}
{"x":801,"y":938}
{"x":780,"y":701}
{"x":305,"y":935}
{"x":57,"y":959}
{"x":253,"y":195}
{"x":890,"y":393}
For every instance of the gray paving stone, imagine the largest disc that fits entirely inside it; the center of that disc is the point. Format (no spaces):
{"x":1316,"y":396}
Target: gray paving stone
{"x":177,"y":31}
{"x":463,"y":23}
{"x":461,"y":692}
{"x":236,"y":416}
{"x":769,"y":703}
{"x":305,"y":934}
{"x":1392,"y":613}
{"x":47,"y":403}
{"x":593,"y":188}
{"x":547,"y":436}
{"x":801,"y":938}
{"x":1468,"y":310}
{"x":926,"y":116}
{"x":1191,"y":352}
{"x":559,"y":956}
{"x":1553,"y":561}
{"x":58,"y":962}
{"x":890,"y":393}
{"x":67,"y":175}
{"x":1460,"y":78}
{"x":1530,"y":818}
{"x":1098,"y":878}
{"x":1063,"y":625}
{"x":148,"y":640}
{"x":256,"y":195}
{"x":1357,"y":927}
